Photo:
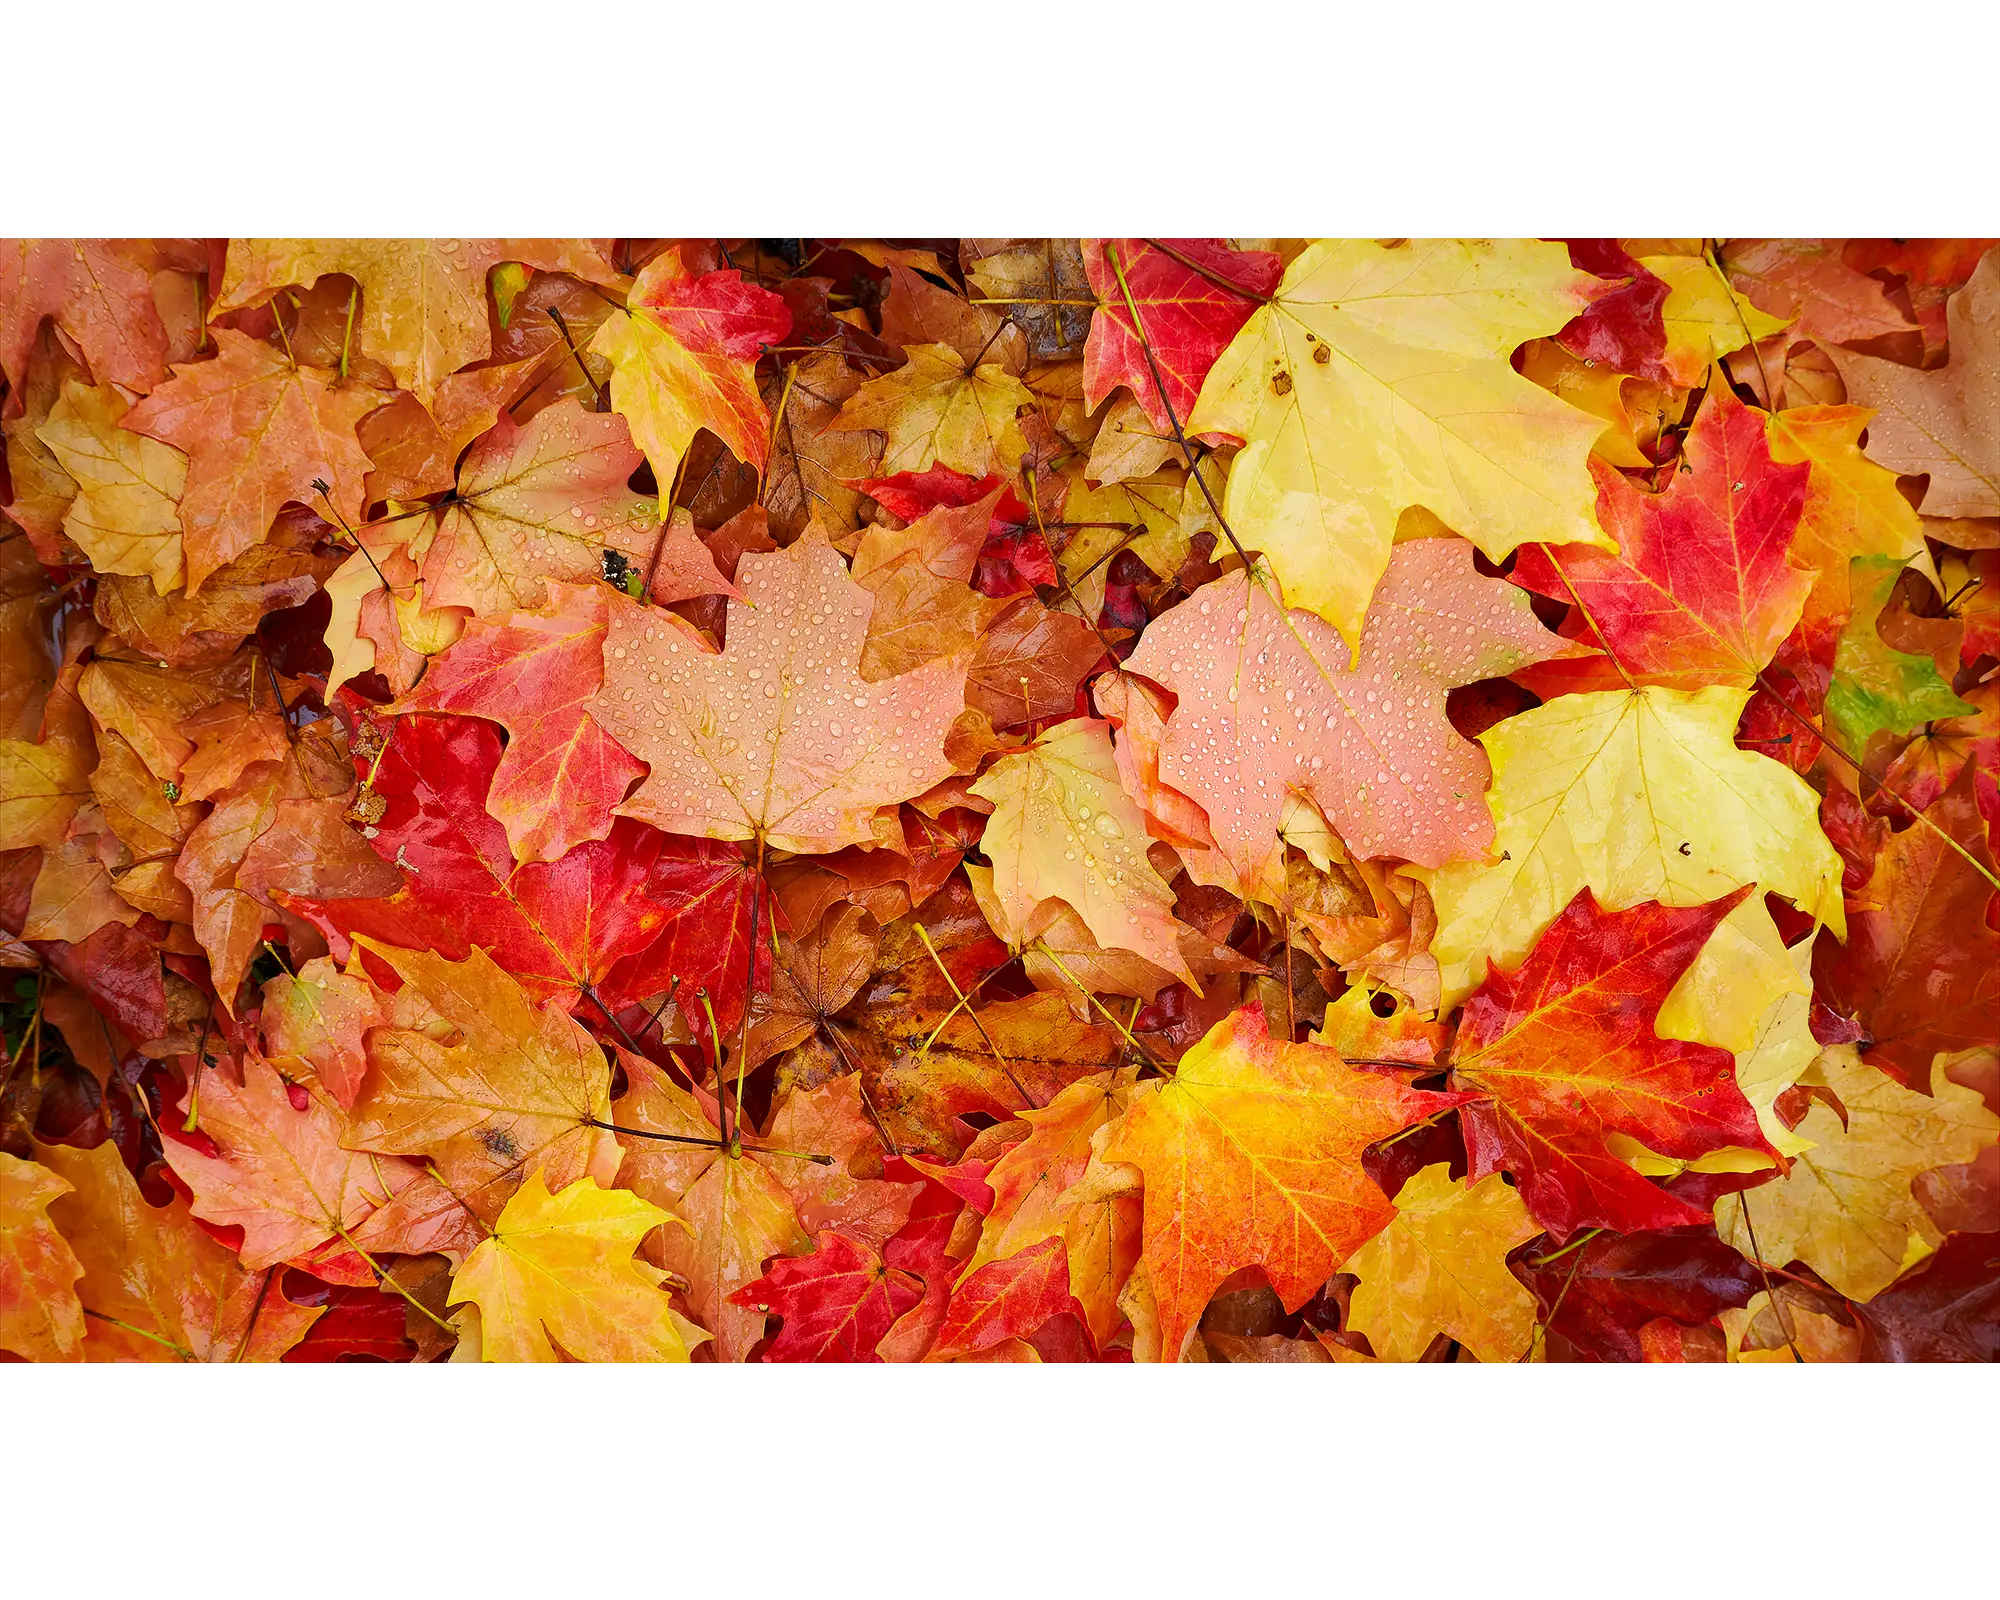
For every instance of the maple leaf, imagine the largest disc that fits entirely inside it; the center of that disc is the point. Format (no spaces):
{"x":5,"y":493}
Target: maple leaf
{"x":423,"y":301}
{"x":1440,"y":1267}
{"x":521,"y":1089}
{"x":1931,"y":762}
{"x":599,"y":926}
{"x":1193,"y":296}
{"x":1852,"y":506}
{"x":1877,"y":688}
{"x":1622,"y":328}
{"x":778,"y":738}
{"x":196,"y":631}
{"x":317,"y":1020}
{"x":280,"y":1172}
{"x":1945,"y":423}
{"x":1846,"y":1208}
{"x":1062,"y":794}
{"x":1006,"y":1299}
{"x":683,"y":357}
{"x":533,"y":672}
{"x":1943,"y":1311}
{"x":1376,"y":379}
{"x":159,"y":1286}
{"x":99,"y":293}
{"x":1033,"y":1198}
{"x":1921,"y":965}
{"x":737,"y":1214}
{"x":923,"y":1059}
{"x":41,"y":786}
{"x":1619,"y":1288}
{"x":1028,"y":663}
{"x":1639,"y":794}
{"x":279,"y":828}
{"x":1252,"y":1157}
{"x":940,"y":407}
{"x":543,"y":503}
{"x":41,"y":1317}
{"x":74,"y":895}
{"x":1700,"y":590}
{"x":1566,"y":1051}
{"x":126,"y":514}
{"x":812,"y":471}
{"x":1808,"y":281}
{"x":559,"y":1273}
{"x":1704,"y":318}
{"x":1748,"y":994}
{"x":832,"y":1120}
{"x":258,"y":430}
{"x":920,"y":577}
{"x":1269,"y":711}
{"x":837,"y":1303}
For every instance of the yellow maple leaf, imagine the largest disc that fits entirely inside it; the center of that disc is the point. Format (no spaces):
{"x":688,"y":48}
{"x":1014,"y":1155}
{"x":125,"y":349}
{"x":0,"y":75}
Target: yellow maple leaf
{"x":1639,"y":794}
{"x":126,"y":515}
{"x":935,"y":408}
{"x":1747,"y":994}
{"x":1441,"y":1267}
{"x":1846,"y":1209}
{"x":560,"y":1268}
{"x":1063,"y":828}
{"x":1377,"y":379}
{"x":1705,"y":319}
{"x":1853,"y":507}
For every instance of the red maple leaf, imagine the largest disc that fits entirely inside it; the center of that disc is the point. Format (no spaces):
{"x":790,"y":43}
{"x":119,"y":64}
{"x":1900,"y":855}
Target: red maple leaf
{"x":837,"y":1303}
{"x":1702,"y":590}
{"x":594,"y":927}
{"x":1193,"y":296}
{"x":1565,"y":1049}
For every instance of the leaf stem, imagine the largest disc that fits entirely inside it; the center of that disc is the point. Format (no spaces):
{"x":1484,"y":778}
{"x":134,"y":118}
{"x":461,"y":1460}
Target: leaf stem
{"x":707,"y":1144}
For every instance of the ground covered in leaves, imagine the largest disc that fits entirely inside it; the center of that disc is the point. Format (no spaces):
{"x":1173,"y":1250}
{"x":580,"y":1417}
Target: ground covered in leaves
{"x":1000,"y":800}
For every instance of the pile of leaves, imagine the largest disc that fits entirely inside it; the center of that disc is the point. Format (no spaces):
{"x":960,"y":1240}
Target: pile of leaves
{"x":1000,"y":800}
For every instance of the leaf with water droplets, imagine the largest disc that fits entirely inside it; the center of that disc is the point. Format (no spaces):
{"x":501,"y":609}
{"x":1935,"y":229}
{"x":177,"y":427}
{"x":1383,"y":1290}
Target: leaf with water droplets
{"x":1063,"y":829}
{"x":541,"y":503}
{"x":1270,"y":711}
{"x":777,"y":738}
{"x":98,"y":292}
